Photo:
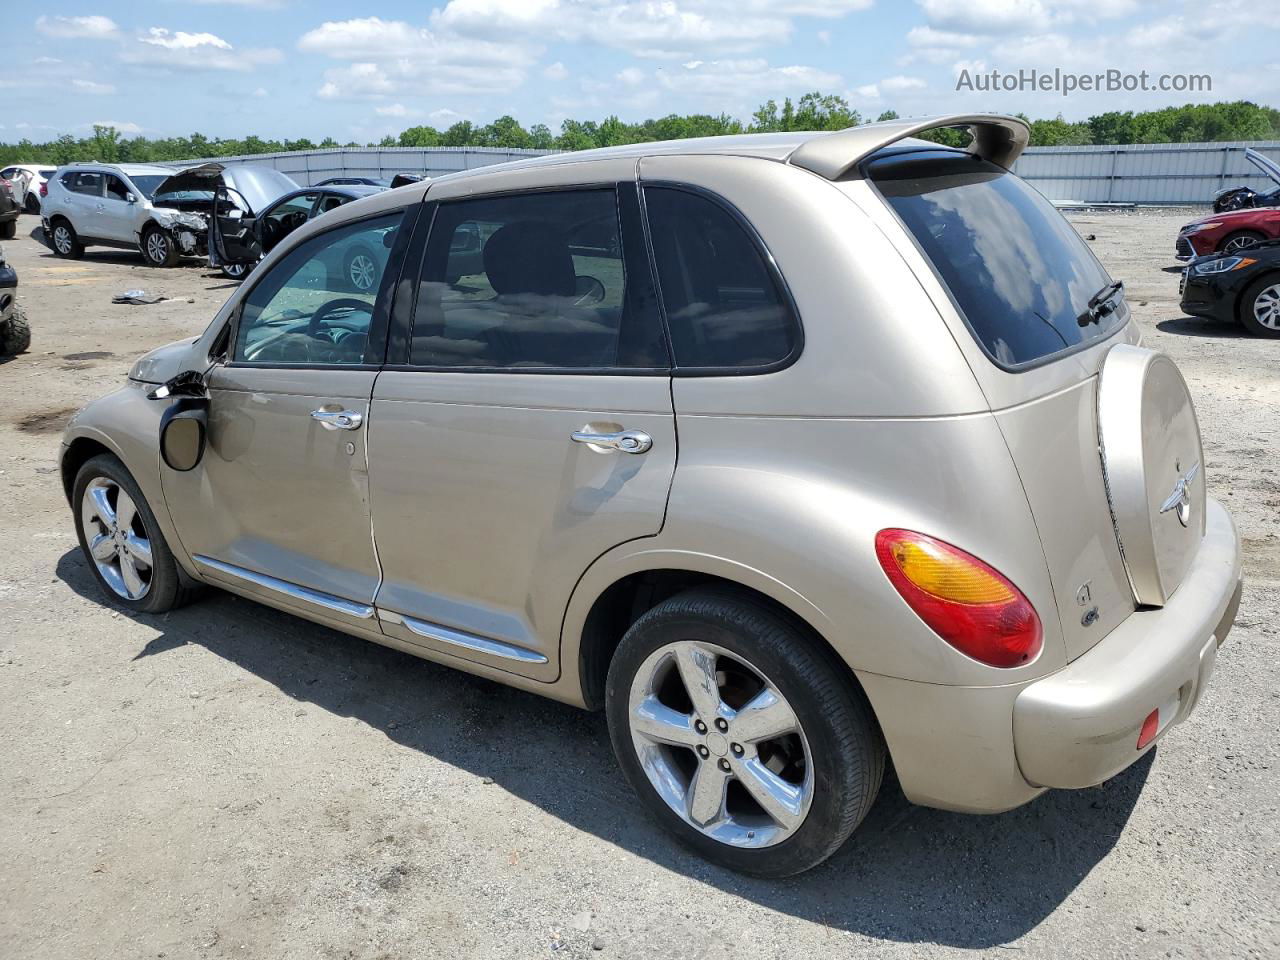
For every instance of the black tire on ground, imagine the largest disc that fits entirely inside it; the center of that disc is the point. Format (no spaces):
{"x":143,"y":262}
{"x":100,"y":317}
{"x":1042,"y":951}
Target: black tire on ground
{"x":1239,"y":240}
{"x":32,"y":203}
{"x":1249,"y":300}
{"x":8,"y":229}
{"x":157,"y":247}
{"x":15,"y":335}
{"x":169,"y":587}
{"x":848,"y":753}
{"x":64,"y":241}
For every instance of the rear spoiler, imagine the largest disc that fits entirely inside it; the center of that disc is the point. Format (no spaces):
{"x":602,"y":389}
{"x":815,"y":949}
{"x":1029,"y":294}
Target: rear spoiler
{"x":997,"y":138}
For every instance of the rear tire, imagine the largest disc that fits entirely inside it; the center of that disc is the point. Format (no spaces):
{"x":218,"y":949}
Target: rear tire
{"x":1259,"y":310}
{"x":826,"y":753}
{"x":158,"y":248}
{"x":9,"y":230}
{"x":1240,"y":240}
{"x":15,"y":335}
{"x":32,"y":203}
{"x":64,"y":241}
{"x":144,"y":587}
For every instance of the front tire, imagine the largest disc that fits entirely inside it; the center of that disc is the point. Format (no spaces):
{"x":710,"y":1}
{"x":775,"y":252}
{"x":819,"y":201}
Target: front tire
{"x":360,"y":271}
{"x":65,"y":242}
{"x":1260,"y":307}
{"x":1240,"y":240}
{"x":122,"y":541}
{"x":8,"y":230}
{"x":235,"y":271}
{"x":158,"y":248}
{"x":32,"y":203}
{"x":15,"y":335}
{"x":742,"y":734}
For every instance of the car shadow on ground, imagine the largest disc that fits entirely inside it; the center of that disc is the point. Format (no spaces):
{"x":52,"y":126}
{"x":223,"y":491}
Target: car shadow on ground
{"x":1203,"y":327}
{"x":909,"y":874}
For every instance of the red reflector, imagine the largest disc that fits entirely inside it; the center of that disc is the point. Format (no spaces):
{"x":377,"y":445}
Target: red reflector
{"x":1149,"y":728}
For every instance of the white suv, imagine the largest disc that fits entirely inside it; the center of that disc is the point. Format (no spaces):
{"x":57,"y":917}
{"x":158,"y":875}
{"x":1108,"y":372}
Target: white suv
{"x":91,"y":204}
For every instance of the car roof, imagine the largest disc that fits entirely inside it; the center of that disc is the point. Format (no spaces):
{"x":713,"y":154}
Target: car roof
{"x":128,"y":169}
{"x":353,"y":190}
{"x":830,"y":154}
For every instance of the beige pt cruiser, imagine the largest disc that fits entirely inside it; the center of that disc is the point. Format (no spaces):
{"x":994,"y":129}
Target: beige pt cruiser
{"x":796,"y":454}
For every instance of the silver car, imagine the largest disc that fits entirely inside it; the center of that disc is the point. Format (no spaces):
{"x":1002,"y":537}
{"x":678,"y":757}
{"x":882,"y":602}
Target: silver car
{"x":793,"y":453}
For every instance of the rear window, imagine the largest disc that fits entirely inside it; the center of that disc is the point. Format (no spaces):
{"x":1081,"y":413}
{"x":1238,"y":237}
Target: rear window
{"x":1020,"y":274}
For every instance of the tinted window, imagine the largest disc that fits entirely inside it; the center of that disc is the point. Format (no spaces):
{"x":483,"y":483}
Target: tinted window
{"x":316,"y":304}
{"x":116,"y":190}
{"x":723,"y":304}
{"x":286,"y":218}
{"x":330,"y":201}
{"x":87,"y":183}
{"x":533,"y":281}
{"x":1019,"y":272}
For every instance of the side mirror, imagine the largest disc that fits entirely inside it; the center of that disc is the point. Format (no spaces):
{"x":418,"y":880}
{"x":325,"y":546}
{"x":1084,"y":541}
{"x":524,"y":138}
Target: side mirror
{"x":183,"y":432}
{"x":130,"y":198}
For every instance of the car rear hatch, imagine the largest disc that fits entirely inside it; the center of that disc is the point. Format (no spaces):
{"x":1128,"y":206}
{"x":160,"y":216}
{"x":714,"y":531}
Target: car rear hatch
{"x":1102,"y":431}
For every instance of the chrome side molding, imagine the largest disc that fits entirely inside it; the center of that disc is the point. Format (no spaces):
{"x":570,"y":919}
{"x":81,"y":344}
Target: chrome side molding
{"x":460,"y":638}
{"x":361,"y":611}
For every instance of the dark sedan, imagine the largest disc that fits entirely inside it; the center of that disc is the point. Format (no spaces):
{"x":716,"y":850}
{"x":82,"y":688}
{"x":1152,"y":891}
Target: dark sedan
{"x":1243,"y":287}
{"x":354,"y":182}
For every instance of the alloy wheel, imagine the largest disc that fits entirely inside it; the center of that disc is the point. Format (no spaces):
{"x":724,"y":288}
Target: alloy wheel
{"x":62,"y":239}
{"x":1266,"y":307}
{"x":117,"y":538}
{"x":1239,"y":243}
{"x":720,"y":744}
{"x":157,"y":247}
{"x":361,"y":271}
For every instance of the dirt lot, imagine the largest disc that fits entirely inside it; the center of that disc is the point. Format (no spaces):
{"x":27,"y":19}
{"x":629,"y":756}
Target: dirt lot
{"x":226,"y":781}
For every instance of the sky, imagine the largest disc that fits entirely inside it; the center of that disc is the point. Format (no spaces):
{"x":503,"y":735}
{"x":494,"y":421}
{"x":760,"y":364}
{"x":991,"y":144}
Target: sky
{"x":291,"y":69}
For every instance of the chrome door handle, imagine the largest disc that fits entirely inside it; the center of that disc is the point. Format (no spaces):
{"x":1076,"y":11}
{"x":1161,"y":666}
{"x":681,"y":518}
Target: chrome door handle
{"x":338,"y":419}
{"x":625,"y":441}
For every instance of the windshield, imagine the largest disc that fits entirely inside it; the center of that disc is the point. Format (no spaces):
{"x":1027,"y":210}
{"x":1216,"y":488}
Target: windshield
{"x":147,"y":183}
{"x":1023,"y":279}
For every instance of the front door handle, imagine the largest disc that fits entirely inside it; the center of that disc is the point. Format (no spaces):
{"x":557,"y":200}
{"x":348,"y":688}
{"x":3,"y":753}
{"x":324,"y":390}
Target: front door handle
{"x":625,"y":441}
{"x":338,"y":419}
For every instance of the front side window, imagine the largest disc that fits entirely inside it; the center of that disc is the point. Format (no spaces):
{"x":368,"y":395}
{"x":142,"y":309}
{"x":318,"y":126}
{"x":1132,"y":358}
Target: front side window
{"x":723,"y":303}
{"x":286,"y":218}
{"x":1020,"y":274}
{"x":307,"y":309}
{"x":116,"y":190}
{"x":532,"y":281}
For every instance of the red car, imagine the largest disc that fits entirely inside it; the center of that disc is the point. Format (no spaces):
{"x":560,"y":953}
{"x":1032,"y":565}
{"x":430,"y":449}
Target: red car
{"x":1232,"y":231}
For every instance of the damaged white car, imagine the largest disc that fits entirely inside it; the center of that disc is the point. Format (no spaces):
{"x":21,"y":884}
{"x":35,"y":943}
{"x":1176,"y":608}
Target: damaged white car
{"x":158,"y":210}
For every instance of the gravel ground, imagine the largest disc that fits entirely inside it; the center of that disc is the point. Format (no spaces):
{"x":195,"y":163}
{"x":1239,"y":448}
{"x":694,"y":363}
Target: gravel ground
{"x":226,"y":781}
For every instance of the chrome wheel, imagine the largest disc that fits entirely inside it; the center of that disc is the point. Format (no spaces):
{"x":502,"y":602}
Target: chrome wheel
{"x":157,"y":247}
{"x":361,"y":271}
{"x":236,"y":271}
{"x":1266,"y":307}
{"x":1238,"y":243}
{"x":116,"y":538}
{"x":62,"y":241}
{"x":720,"y":744}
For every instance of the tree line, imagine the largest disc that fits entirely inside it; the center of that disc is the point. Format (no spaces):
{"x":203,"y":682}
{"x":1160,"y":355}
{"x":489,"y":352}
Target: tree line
{"x":1190,"y":123}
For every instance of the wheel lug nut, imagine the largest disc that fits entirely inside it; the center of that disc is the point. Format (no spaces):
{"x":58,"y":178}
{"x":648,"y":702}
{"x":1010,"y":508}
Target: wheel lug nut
{"x":703,"y":752}
{"x":699,"y":726}
{"x":724,"y":765}
{"x":722,"y":724}
{"x":737,"y":749}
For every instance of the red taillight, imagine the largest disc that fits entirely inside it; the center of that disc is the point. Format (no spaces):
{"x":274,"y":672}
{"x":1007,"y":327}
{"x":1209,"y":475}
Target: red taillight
{"x":44,"y":189}
{"x":970,"y":605}
{"x":1150,"y":727}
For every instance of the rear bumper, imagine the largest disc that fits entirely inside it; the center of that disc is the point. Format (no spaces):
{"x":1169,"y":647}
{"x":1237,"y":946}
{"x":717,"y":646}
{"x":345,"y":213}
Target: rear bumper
{"x":1080,"y":726}
{"x":990,"y":749}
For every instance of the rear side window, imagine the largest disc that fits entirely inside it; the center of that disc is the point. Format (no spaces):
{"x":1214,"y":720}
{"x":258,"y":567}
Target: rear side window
{"x":533,"y":281}
{"x":724,"y":305}
{"x":1020,"y":274}
{"x":86,"y":183}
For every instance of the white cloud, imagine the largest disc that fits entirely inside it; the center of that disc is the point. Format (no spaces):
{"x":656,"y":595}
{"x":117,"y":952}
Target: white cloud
{"x":122,"y":127}
{"x":161,"y":47}
{"x":260,"y":93}
{"x":986,"y":16}
{"x":868,"y":91}
{"x":90,"y":86}
{"x":721,"y":79}
{"x":84,"y":28}
{"x":631,"y":76}
{"x":824,"y":37}
{"x":900,"y":83}
{"x":555,"y":71}
{"x":392,"y":110}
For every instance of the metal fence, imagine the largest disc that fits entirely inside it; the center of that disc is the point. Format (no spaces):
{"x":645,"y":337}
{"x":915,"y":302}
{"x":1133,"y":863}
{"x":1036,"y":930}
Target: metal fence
{"x":1146,"y":173}
{"x":1159,"y":173}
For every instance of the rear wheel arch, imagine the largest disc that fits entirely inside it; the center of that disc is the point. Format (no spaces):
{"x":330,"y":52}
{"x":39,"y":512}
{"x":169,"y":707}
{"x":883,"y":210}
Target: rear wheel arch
{"x":622,"y":602}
